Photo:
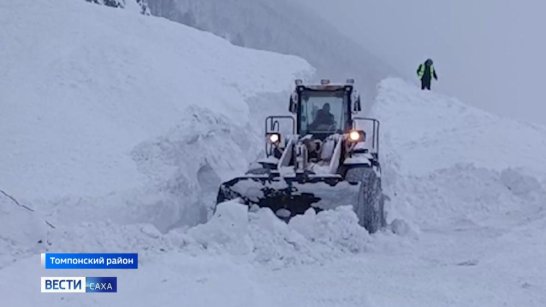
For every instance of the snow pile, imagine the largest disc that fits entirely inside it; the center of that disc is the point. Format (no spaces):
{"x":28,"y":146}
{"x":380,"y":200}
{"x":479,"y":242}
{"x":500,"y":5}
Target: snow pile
{"x":446,"y":163}
{"x":257,"y":237}
{"x":466,"y":194}
{"x":260,"y":236}
{"x":120,"y":116}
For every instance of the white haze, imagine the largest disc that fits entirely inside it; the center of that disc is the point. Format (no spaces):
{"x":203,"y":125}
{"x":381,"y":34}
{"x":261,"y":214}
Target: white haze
{"x":490,"y":53}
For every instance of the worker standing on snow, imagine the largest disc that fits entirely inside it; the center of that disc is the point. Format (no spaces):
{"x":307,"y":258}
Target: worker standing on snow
{"x":426,"y":72}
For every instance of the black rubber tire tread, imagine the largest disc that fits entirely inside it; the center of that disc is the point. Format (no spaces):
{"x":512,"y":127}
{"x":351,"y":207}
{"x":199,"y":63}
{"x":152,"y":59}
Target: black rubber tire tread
{"x":370,"y":206}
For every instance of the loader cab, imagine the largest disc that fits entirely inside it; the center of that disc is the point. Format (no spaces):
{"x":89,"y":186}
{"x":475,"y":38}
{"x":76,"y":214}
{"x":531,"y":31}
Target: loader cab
{"x":324,"y":109}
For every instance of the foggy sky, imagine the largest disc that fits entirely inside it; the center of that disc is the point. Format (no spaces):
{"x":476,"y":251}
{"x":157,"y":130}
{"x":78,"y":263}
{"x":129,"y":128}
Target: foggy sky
{"x":489,"y":53}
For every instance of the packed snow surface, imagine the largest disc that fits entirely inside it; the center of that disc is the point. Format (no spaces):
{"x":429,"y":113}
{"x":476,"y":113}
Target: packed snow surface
{"x":119,"y":128}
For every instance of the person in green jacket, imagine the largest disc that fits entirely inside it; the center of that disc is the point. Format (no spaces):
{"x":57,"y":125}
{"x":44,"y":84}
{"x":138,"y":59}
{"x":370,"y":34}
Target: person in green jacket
{"x":426,"y":72}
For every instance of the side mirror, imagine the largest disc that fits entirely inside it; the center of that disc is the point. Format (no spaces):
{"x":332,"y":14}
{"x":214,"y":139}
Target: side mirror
{"x":356,"y":105}
{"x":293,"y":104}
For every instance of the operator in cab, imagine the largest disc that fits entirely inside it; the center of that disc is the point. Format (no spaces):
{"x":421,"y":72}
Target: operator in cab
{"x":323,"y":119}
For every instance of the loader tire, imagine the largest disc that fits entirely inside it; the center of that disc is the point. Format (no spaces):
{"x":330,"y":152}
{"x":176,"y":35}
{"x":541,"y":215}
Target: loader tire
{"x":370,"y":205}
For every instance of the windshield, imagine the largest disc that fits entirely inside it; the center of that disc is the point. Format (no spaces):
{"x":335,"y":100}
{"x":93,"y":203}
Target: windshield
{"x":323,"y":112}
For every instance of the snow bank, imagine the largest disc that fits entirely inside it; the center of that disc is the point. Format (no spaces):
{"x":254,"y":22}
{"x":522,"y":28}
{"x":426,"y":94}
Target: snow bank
{"x":464,"y":195}
{"x":102,"y":108}
{"x":447,"y":163}
{"x":426,"y":131}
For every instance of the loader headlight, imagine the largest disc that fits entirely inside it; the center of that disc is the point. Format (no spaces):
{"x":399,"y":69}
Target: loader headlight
{"x":273,"y":138}
{"x":357,"y":136}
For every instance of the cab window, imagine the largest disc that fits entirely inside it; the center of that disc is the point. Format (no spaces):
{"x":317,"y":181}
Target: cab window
{"x":323,"y":112}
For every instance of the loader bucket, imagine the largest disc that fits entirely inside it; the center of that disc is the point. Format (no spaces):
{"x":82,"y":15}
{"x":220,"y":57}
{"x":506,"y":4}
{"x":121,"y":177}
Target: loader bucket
{"x":290,"y":196}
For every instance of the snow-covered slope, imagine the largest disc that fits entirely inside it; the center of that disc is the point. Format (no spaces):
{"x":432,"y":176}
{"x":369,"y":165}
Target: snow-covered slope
{"x":428,"y":131}
{"x":137,"y":6}
{"x":447,"y":162}
{"x":470,"y":187}
{"x":282,"y":26}
{"x":124,"y":105}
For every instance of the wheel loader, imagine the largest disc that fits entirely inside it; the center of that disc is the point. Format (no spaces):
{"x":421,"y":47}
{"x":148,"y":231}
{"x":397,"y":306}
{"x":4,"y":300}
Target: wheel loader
{"x":321,"y":157}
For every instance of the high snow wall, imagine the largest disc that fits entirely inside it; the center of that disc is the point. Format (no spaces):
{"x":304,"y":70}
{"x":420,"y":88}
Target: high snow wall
{"x":133,"y":114}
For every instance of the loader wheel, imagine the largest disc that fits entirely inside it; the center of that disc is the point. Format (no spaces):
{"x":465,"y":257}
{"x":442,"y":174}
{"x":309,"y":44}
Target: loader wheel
{"x":370,"y":206}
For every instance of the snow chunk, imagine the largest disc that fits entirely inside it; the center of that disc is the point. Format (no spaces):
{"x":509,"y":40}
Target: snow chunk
{"x":336,"y":228}
{"x":264,"y":238}
{"x":228,"y":230}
